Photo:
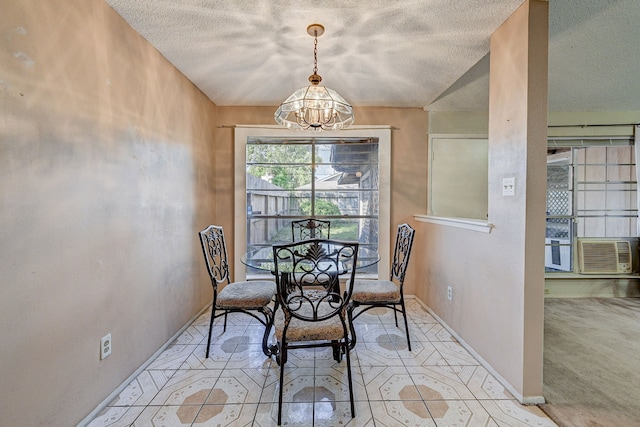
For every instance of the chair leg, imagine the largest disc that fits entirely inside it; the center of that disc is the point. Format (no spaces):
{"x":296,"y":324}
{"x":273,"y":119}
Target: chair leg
{"x":347,"y":353}
{"x":224,"y":329}
{"x":395,"y":315}
{"x":268,"y":322}
{"x":213,"y":315}
{"x":406,"y":324}
{"x":350,"y":308}
{"x":283,"y":353}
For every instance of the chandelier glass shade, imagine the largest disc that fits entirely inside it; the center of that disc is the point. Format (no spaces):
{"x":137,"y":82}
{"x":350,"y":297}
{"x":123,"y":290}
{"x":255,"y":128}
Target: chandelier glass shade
{"x":315,"y":107}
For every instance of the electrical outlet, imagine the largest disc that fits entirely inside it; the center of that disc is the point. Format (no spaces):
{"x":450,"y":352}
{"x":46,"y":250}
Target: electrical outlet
{"x":449,"y":293}
{"x":105,"y":346}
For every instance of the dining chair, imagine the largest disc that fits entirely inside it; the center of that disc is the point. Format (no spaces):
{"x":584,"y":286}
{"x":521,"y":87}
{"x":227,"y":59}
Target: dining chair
{"x":320,"y":319}
{"x":246,"y":297}
{"x":310,"y":228}
{"x":385,"y":293}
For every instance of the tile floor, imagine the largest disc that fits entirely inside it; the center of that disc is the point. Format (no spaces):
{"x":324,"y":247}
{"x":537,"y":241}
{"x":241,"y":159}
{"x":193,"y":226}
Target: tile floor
{"x":438,"y":383}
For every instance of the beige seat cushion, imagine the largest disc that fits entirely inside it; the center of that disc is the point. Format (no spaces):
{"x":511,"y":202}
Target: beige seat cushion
{"x":372,"y":291}
{"x":247,"y":295}
{"x":300,"y":330}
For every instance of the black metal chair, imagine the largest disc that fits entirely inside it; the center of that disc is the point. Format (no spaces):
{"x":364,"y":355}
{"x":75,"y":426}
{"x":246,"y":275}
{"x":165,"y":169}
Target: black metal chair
{"x":245,"y":297}
{"x":319,"y":319}
{"x":386,"y":293}
{"x":310,"y":228}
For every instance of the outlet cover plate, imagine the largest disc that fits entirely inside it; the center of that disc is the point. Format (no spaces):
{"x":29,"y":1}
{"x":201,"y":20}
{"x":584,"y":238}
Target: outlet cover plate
{"x":105,"y":346}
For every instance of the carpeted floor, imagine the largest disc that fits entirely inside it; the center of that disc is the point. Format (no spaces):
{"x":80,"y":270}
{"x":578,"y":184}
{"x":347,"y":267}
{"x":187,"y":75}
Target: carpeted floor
{"x":592,"y":361}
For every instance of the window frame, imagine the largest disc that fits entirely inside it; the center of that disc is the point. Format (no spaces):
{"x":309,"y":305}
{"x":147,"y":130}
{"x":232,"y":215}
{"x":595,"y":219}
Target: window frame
{"x":243,"y":132}
{"x":576,"y":186}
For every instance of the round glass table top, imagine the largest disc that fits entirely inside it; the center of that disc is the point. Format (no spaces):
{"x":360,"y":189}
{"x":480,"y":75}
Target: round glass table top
{"x":262,"y":258}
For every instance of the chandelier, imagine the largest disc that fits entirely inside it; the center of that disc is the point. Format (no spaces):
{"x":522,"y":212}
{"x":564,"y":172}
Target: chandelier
{"x":315,"y":107}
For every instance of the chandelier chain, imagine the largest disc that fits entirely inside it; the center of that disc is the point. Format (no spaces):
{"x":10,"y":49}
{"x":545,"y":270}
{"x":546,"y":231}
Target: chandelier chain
{"x":315,"y":54}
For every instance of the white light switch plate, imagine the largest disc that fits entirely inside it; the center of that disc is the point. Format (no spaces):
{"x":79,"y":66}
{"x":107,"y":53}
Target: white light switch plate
{"x":508,"y":186}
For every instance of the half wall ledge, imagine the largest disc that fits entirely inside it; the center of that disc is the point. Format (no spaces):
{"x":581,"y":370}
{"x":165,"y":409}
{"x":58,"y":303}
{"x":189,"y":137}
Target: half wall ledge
{"x":467,"y":224}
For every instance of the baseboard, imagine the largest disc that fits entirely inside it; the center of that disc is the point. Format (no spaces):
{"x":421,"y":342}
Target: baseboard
{"x":524,"y":400}
{"x":138,"y":371}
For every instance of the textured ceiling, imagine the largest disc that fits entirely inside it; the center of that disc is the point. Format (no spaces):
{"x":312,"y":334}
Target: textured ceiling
{"x":420,"y":53}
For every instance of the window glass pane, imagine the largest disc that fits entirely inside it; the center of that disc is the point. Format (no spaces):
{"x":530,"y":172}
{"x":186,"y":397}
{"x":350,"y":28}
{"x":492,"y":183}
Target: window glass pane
{"x":266,"y":231}
{"x":597,"y":173}
{"x":279,"y":176}
{"x":268,"y":152}
{"x":325,"y":178}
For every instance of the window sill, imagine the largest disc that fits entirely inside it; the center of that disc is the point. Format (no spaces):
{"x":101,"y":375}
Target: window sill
{"x":467,"y":224}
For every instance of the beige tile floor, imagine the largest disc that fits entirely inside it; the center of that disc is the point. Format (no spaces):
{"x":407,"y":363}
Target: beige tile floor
{"x":438,"y":383}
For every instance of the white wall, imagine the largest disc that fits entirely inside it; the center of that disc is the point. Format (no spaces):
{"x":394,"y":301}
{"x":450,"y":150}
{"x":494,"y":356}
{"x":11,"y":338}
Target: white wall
{"x":105,"y":178}
{"x":498,"y":277}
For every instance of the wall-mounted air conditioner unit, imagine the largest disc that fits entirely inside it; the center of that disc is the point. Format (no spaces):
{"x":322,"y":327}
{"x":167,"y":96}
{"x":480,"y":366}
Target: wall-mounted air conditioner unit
{"x":604,"y":256}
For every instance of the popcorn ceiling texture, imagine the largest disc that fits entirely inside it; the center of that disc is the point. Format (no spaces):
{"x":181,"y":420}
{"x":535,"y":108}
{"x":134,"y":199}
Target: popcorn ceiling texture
{"x":374,"y":53}
{"x":388,"y":53}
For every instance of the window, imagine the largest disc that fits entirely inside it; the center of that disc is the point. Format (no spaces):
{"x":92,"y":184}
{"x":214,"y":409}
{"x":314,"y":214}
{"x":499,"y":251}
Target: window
{"x":338,"y":176}
{"x":334,"y":179}
{"x":591,"y":193}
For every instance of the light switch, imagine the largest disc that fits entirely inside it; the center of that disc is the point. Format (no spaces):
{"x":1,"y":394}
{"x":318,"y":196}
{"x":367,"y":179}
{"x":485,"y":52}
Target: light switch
{"x":508,"y":186}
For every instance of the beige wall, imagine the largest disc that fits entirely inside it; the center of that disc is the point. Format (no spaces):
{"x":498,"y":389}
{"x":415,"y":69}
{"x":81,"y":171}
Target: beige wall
{"x":498,"y":278}
{"x":105,"y":153}
{"x":408,"y":162}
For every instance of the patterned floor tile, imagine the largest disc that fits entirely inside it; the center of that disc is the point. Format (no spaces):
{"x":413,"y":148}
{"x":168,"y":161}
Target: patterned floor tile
{"x":435,"y":332}
{"x":173,"y":357}
{"x":226,"y":415}
{"x":120,"y":416}
{"x":255,"y":333}
{"x":421,"y":354}
{"x":298,"y":385}
{"x":293,"y":415}
{"x":203,"y":319}
{"x":455,"y":354}
{"x":192,"y":335}
{"x":217,"y":359}
{"x":249,"y":356}
{"x":389,"y":383}
{"x":381,"y":353}
{"x":218,"y":334}
{"x":143,"y":388}
{"x":439,"y":383}
{"x":324,"y":358}
{"x":333,"y":384}
{"x":167,"y":416}
{"x":368,"y":333}
{"x":301,"y":358}
{"x":481,"y":383}
{"x":188,"y":387}
{"x":420,"y":315}
{"x":401,"y":413}
{"x":511,"y":413}
{"x":331,"y":414}
{"x":460,"y":413}
{"x":237,"y":386}
{"x":416,"y":331}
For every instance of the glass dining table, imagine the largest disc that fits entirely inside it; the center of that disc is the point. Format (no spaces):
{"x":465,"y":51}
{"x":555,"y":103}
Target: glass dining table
{"x":260,"y":260}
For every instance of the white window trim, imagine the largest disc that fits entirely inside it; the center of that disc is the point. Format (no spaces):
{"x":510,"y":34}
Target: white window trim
{"x":243,"y":132}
